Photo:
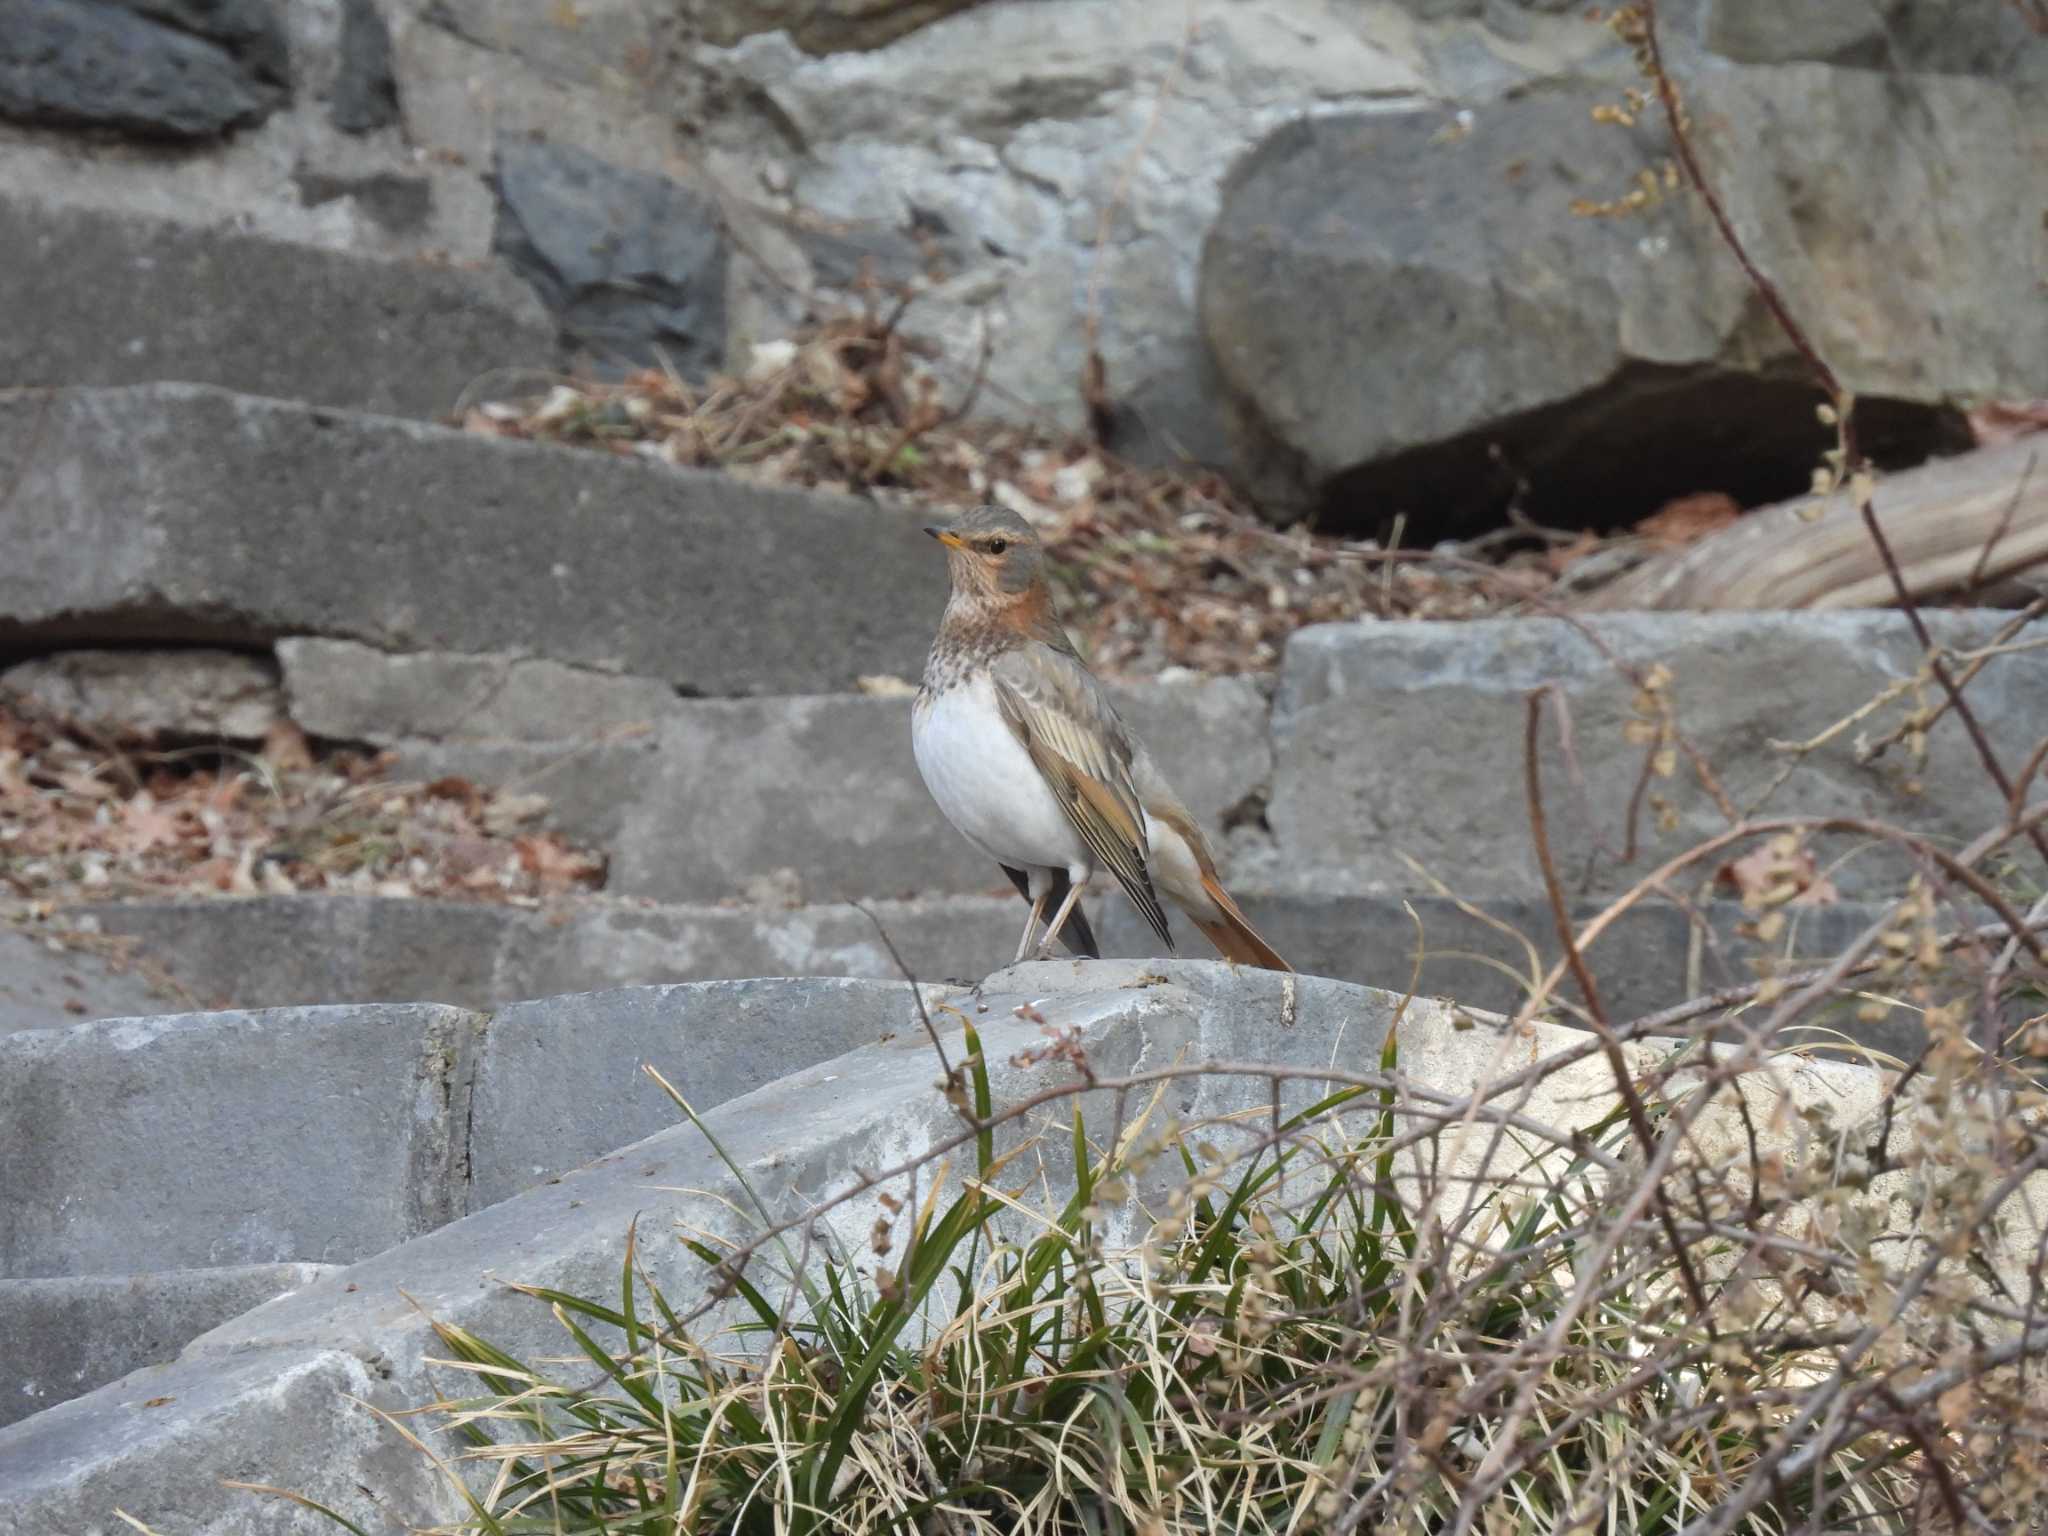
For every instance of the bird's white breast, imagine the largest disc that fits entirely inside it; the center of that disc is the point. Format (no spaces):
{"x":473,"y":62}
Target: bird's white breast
{"x":986,"y":783}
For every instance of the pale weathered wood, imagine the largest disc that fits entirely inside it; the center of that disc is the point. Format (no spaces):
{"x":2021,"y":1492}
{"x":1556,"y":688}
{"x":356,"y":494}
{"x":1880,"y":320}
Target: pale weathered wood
{"x":1816,"y":553}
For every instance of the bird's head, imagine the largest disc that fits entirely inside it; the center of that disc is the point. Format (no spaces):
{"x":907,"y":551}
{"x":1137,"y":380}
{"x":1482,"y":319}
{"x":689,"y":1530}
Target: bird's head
{"x":994,"y":556}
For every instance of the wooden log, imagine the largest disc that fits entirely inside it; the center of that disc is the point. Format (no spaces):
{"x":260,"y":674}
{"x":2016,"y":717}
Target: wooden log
{"x":1816,"y":553}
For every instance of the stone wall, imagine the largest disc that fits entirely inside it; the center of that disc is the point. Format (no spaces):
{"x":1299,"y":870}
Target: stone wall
{"x":1269,"y":216}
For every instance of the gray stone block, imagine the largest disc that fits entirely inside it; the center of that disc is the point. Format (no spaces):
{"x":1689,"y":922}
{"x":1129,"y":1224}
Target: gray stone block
{"x":354,"y":692}
{"x":111,"y":299}
{"x":592,"y":786}
{"x":827,"y":787}
{"x":59,"y":1339}
{"x":951,"y":938}
{"x":52,"y":980}
{"x":282,"y":952}
{"x":188,"y":1142}
{"x":559,"y":1081}
{"x":232,"y":518}
{"x":159,"y":1444}
{"x":1593,"y":368}
{"x":1395,"y":739}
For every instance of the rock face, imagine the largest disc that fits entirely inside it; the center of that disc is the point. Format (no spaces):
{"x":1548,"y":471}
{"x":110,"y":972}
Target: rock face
{"x":1061,"y":149}
{"x":632,"y":264}
{"x":61,"y":1338}
{"x":824,"y":26}
{"x":1606,"y":363}
{"x":1046,"y":173}
{"x":153,"y":69}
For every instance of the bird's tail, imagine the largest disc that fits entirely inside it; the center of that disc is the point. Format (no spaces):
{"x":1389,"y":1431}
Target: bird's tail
{"x":1233,"y":935}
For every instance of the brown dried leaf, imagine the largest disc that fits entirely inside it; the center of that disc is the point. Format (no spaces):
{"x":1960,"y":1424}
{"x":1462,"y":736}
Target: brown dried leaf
{"x":1689,"y":519}
{"x":1773,"y":875}
{"x":285,"y":748}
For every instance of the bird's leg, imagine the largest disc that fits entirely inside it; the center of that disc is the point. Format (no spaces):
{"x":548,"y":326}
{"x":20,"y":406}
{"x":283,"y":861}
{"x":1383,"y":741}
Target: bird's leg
{"x":1059,"y":918}
{"x":1031,"y":924}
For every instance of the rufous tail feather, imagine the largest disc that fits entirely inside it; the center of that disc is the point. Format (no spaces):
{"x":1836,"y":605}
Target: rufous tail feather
{"x":1235,"y":938}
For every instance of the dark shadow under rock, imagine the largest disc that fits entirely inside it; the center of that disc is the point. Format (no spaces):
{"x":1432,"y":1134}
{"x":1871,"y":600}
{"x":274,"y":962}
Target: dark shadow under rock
{"x":1614,"y":455}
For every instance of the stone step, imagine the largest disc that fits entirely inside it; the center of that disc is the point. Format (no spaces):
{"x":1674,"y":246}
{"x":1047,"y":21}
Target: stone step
{"x":277,"y":1396}
{"x":282,"y":951}
{"x":100,"y":298}
{"x":61,"y":1338}
{"x":1400,"y":742}
{"x":48,"y":979}
{"x":1386,"y":744}
{"x":420,"y":1112}
{"x":228,"y":518}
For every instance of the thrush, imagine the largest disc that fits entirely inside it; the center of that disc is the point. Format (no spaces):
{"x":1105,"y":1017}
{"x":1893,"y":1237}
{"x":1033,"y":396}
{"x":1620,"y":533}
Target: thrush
{"x":1020,"y":746}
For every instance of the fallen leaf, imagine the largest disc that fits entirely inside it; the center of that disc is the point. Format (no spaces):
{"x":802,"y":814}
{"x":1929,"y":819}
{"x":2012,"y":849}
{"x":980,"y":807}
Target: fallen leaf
{"x":1688,"y":519}
{"x":1776,"y":874}
{"x":146,"y":825}
{"x":285,"y":748}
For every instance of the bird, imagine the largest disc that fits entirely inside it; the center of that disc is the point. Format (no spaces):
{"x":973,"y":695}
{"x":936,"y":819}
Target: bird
{"x":1019,"y":744}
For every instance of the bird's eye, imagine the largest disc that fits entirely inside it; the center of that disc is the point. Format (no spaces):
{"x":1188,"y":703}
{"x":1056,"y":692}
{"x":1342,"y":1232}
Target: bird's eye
{"x":997,"y":546}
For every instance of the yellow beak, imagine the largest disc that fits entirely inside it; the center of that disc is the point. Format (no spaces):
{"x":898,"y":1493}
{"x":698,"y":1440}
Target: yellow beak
{"x":947,"y":537}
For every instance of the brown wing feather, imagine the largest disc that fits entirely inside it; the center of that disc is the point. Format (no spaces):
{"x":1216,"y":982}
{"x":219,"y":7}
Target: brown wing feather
{"x":1060,"y":714}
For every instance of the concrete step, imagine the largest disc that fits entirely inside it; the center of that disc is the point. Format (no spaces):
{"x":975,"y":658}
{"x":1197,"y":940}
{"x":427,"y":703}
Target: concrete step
{"x":281,"y":951}
{"x":50,"y":978}
{"x":420,"y":1112}
{"x":1399,"y":742}
{"x":276,"y":1396}
{"x":227,"y":518}
{"x":61,"y":1338}
{"x":1389,"y":750}
{"x":95,"y":297}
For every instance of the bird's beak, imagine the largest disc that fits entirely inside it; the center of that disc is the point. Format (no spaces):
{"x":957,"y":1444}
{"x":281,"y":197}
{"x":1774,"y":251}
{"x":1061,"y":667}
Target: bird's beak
{"x":946,"y":536}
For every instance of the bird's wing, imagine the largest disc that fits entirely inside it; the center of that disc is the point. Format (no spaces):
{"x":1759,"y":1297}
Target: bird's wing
{"x":1059,"y":712}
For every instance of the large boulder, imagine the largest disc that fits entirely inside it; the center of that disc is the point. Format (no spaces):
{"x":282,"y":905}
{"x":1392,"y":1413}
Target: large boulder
{"x":1064,"y":155}
{"x":1419,"y":313}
